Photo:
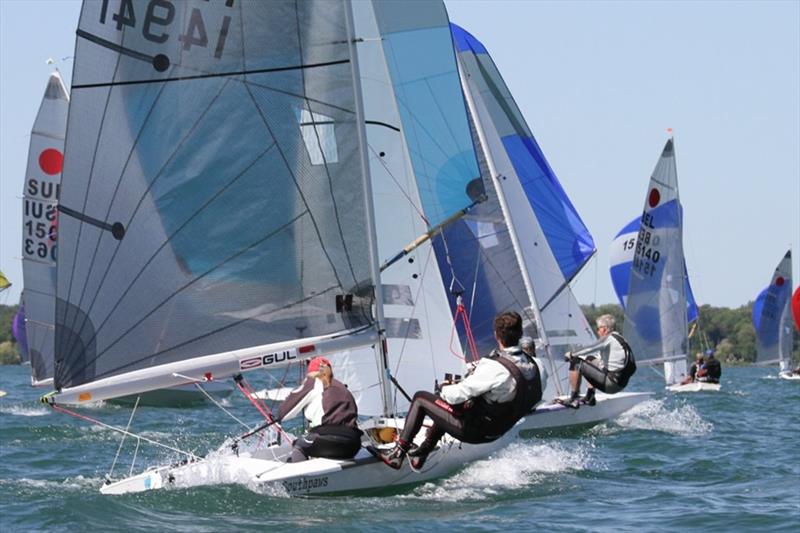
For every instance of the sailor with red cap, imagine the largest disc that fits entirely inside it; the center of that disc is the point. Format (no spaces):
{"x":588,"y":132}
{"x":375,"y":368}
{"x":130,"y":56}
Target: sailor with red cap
{"x":331,"y":413}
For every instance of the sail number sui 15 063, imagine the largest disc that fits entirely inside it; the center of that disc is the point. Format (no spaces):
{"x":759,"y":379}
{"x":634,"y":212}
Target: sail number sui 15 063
{"x":40,"y":220}
{"x":159,"y":15}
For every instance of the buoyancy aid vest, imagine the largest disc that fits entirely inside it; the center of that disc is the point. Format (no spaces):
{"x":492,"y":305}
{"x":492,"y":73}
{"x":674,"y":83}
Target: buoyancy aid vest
{"x":489,"y":420}
{"x":622,"y":376}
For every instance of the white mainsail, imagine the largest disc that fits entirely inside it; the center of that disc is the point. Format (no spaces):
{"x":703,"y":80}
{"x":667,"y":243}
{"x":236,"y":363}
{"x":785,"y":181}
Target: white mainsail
{"x":40,"y":227}
{"x":200,"y":220}
{"x":417,"y":319}
{"x":772,"y":318}
{"x":656,"y":324}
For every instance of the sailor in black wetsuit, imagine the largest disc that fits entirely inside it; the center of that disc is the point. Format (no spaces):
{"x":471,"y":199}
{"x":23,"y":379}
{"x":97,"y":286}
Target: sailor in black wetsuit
{"x":501,"y":389}
{"x":331,"y":413}
{"x":711,"y":370}
{"x":607,"y":365}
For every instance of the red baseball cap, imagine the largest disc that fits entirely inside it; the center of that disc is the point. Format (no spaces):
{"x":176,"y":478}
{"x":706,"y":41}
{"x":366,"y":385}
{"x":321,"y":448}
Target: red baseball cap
{"x":317,"y":362}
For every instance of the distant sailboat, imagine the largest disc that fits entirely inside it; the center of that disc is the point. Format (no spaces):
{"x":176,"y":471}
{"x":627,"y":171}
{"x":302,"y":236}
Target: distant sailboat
{"x":649,"y":274}
{"x":40,"y":227}
{"x":772,"y":320}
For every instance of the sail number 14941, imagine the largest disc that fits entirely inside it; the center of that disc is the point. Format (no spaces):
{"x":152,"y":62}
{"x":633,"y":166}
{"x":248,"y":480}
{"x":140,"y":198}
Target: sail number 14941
{"x":157,"y":18}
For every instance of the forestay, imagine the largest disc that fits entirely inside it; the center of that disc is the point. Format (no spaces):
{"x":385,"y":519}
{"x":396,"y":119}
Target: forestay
{"x":772,"y":317}
{"x":527,"y":205}
{"x":656,"y":323}
{"x":213,"y":205}
{"x":40,"y":227}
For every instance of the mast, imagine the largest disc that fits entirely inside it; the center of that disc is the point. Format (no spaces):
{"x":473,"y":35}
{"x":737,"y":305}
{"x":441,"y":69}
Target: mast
{"x":380,"y":345}
{"x":509,"y":223}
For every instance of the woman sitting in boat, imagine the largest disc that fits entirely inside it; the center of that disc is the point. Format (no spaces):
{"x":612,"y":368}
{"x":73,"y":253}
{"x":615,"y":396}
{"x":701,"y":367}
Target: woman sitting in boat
{"x":331,"y":413}
{"x":607,"y":364}
{"x":501,"y":389}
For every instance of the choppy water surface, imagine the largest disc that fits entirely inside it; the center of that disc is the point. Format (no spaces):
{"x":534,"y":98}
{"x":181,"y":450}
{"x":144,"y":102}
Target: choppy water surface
{"x":698,"y":461}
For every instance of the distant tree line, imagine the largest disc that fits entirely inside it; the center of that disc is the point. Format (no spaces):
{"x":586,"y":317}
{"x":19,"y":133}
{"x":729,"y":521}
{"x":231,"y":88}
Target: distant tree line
{"x":9,"y":353}
{"x":729,"y":332}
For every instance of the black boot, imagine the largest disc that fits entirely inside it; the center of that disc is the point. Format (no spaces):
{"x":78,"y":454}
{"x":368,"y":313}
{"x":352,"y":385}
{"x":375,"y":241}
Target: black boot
{"x":419,"y":455}
{"x":573,"y":402}
{"x":394,"y":458}
{"x":589,"y":398}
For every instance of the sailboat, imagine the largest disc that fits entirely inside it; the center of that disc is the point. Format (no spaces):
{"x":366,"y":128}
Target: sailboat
{"x":521,"y":248}
{"x":772,"y":320}
{"x":40,"y":228}
{"x":650,"y":277}
{"x":221,"y":219}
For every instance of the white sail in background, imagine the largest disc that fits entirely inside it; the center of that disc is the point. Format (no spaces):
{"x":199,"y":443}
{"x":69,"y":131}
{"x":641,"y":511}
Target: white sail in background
{"x":772,"y":318}
{"x":40,"y":227}
{"x":656,"y":323}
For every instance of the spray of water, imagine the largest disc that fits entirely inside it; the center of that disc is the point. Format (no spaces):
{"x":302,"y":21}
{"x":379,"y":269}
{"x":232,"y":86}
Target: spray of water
{"x":520,"y":465}
{"x":653,"y":415}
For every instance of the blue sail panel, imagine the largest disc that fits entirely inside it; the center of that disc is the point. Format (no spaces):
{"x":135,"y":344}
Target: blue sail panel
{"x":622,"y":249}
{"x":570,"y":240}
{"x":567,"y":235}
{"x":422,"y":65}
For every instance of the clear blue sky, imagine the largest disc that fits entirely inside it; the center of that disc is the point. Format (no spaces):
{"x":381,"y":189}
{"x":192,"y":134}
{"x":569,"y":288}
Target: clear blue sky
{"x":599,"y":83}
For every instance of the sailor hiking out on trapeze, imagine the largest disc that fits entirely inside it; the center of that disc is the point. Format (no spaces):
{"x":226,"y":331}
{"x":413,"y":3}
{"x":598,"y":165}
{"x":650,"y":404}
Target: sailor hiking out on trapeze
{"x":607,"y":365}
{"x":500,"y":389}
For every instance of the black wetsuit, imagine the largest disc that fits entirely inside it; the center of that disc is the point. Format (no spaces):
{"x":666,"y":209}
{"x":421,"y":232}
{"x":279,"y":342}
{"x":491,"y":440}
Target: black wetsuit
{"x":713,"y":371}
{"x":608,"y":381}
{"x":478,"y":420}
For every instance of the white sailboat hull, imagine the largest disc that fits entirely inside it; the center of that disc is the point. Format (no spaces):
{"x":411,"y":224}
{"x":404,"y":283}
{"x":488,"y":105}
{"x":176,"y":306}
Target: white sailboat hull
{"x":364,"y":472}
{"x":791,"y":376}
{"x":555,"y":416}
{"x":697,"y":386}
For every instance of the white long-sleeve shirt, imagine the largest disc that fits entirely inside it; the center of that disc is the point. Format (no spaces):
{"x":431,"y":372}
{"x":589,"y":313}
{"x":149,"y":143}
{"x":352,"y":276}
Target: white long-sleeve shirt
{"x":492,"y":380}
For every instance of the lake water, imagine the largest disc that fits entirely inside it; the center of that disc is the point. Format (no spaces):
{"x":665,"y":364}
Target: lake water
{"x":724,"y":461}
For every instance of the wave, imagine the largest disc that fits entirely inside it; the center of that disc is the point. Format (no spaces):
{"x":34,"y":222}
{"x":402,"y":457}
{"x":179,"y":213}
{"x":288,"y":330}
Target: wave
{"x":25,"y":410}
{"x":520,"y":465}
{"x":655,"y":416}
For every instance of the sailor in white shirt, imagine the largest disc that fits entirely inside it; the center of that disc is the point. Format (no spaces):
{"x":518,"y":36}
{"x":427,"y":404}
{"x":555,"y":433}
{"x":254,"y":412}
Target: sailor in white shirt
{"x":501,"y":389}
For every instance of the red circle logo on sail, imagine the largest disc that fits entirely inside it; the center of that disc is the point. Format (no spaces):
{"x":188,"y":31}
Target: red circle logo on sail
{"x":654,"y":197}
{"x":779,"y":281}
{"x":51,"y":161}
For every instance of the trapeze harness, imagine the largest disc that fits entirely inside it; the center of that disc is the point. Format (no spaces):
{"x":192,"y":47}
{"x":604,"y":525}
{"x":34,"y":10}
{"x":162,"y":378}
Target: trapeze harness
{"x":609,"y":381}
